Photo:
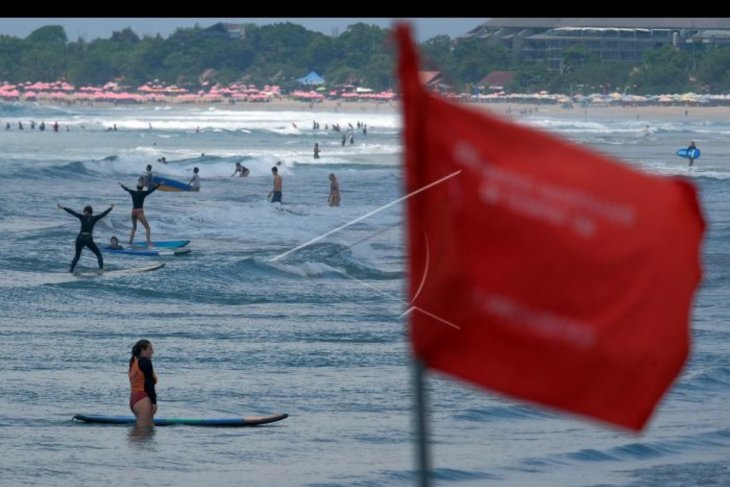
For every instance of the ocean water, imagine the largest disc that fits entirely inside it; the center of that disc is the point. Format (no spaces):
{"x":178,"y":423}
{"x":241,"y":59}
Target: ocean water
{"x":241,"y":327}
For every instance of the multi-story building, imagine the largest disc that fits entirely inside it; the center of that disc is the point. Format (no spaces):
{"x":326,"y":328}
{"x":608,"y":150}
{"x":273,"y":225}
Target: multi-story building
{"x":612,"y":39}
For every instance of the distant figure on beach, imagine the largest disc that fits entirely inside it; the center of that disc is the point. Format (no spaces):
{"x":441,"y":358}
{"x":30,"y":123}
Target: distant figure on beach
{"x":241,"y":170}
{"x":32,"y":124}
{"x":142,"y":380}
{"x":275,"y":193}
{"x":343,"y":140}
{"x":334,"y":197}
{"x":7,"y":125}
{"x":138,"y":197}
{"x":316,"y":150}
{"x":20,"y":125}
{"x":55,"y":126}
{"x":195,"y":181}
{"x":162,"y":160}
{"x":85,"y":237}
{"x":690,"y":150}
{"x":42,"y":126}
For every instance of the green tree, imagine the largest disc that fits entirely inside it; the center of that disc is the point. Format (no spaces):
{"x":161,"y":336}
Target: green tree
{"x":664,"y":70}
{"x":714,"y":69}
{"x":10,"y":58}
{"x":50,"y":34}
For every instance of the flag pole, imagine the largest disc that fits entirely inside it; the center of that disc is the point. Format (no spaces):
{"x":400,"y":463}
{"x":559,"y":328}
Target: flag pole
{"x":422,"y":453}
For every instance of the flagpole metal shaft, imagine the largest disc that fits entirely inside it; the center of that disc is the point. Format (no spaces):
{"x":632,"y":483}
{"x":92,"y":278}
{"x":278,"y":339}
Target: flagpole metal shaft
{"x":422,"y":453}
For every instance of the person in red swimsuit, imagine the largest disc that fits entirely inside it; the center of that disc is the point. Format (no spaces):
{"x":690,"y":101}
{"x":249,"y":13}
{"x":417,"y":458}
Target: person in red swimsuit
{"x":142,"y":379}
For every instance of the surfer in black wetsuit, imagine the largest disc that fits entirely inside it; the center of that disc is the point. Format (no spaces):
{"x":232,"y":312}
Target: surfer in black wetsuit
{"x":138,"y":197}
{"x":85,"y":237}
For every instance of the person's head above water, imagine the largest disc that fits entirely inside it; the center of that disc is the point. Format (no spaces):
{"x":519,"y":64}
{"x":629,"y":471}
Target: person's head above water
{"x":88,"y":209}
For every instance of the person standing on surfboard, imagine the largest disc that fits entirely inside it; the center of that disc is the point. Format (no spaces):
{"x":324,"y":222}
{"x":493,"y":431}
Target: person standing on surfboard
{"x":138,"y":197}
{"x":690,"y":151}
{"x":142,"y":380}
{"x":85,"y":237}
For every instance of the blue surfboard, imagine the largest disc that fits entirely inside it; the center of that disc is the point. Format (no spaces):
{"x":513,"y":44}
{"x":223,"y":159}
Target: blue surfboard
{"x":210,"y":422}
{"x":689,"y":153}
{"x":163,"y":251}
{"x":163,"y":244}
{"x":167,"y":184}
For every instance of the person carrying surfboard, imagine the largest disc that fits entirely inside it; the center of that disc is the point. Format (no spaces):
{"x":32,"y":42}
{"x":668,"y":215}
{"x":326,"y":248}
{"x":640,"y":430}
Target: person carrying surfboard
{"x":85,"y":237}
{"x":138,"y":197}
{"x":690,"y":153}
{"x":142,"y":380}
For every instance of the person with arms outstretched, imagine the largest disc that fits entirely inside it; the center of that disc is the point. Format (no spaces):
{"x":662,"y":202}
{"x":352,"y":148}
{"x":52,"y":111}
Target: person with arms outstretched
{"x":142,"y":380}
{"x":138,"y":197}
{"x":85,"y":237}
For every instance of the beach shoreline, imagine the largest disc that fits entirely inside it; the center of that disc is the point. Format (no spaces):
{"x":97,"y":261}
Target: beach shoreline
{"x":509,"y":110}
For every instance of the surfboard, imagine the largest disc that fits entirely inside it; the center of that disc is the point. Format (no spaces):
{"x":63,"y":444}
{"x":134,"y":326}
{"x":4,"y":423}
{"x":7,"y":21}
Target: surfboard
{"x":163,"y":243}
{"x":166,"y":252}
{"x":119,"y":272}
{"x":167,"y":184}
{"x":210,"y":422}
{"x":689,"y":154}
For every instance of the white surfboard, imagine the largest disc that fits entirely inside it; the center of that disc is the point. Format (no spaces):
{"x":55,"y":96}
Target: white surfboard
{"x":118,"y":272}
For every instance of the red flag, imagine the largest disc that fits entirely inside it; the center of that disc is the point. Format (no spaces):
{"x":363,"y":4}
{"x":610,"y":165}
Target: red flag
{"x":540,"y":269}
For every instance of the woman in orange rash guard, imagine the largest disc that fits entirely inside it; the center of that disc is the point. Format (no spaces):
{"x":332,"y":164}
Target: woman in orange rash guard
{"x":142,"y":379}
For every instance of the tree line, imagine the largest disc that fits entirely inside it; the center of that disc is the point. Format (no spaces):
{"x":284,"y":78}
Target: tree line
{"x":363,"y":55}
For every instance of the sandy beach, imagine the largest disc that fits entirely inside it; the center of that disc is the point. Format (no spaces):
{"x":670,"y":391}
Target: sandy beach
{"x":511,"y":110}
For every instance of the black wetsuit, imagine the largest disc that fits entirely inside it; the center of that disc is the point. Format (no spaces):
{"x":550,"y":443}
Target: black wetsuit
{"x":138,"y":196}
{"x":145,"y":365}
{"x":85,"y":238}
{"x":691,"y":148}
